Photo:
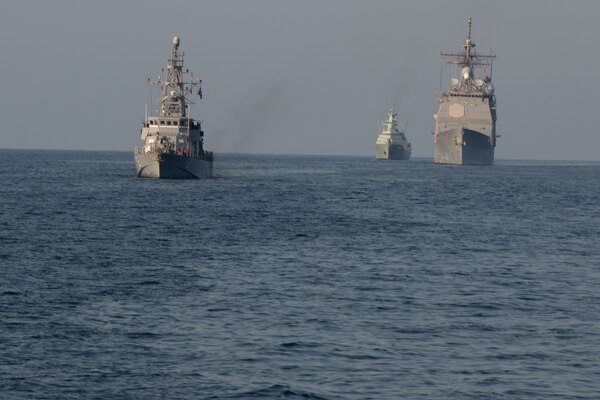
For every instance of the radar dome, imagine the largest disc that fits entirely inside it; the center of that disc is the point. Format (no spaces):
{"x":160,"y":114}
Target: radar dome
{"x":176,"y":41}
{"x":466,"y":73}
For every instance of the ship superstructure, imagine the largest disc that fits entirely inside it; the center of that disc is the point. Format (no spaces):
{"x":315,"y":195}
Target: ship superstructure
{"x":465,"y":123}
{"x":391,"y":143}
{"x":173,"y":142}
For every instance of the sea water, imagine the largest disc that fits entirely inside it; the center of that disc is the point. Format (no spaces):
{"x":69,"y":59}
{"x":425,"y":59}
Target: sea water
{"x":298,"y":277}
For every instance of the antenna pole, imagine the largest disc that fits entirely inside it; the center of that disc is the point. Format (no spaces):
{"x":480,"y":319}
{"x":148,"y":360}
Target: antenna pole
{"x":491,"y":64}
{"x":468,"y":43}
{"x":470,"y":23}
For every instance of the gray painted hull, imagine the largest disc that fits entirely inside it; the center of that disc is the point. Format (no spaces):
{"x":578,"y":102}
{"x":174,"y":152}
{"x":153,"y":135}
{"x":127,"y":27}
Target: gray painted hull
{"x":172,"y":166}
{"x":465,"y":131}
{"x":465,"y":123}
{"x":464,"y":147}
{"x":393,"y":152}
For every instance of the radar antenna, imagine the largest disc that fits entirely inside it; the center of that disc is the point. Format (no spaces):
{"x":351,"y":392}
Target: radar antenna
{"x":174,"y":88}
{"x":469,"y":57}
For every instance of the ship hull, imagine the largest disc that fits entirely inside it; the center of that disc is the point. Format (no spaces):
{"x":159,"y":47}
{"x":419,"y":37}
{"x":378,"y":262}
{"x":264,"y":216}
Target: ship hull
{"x":172,"y":166}
{"x":391,"y":152}
{"x":463,"y":147}
{"x":465,"y":131}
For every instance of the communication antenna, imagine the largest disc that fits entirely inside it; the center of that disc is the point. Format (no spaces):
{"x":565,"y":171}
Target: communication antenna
{"x":491,"y":64}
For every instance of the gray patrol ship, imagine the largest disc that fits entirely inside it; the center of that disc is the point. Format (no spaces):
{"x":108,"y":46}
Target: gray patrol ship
{"x":391,"y":143}
{"x":465,"y":124}
{"x":173,"y":143}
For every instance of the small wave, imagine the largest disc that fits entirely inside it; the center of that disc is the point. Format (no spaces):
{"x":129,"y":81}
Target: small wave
{"x":289,"y":345}
{"x":206,"y":288}
{"x":273,"y":392}
{"x":150,"y":283}
{"x":142,"y":335}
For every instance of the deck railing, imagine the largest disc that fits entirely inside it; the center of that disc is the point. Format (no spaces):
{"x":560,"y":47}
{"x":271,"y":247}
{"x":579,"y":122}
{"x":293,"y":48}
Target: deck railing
{"x":170,"y":148}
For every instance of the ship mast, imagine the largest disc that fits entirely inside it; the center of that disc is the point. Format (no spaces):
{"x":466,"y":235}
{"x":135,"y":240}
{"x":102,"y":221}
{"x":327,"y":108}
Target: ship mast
{"x":174,"y":89}
{"x":469,"y":57}
{"x":468,"y":45}
{"x":173,"y":97}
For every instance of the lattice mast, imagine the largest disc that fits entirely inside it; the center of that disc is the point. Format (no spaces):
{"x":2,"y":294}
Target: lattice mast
{"x":174,"y":88}
{"x":469,"y":57}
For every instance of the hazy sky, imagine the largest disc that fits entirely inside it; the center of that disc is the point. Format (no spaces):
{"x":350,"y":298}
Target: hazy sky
{"x":297,"y":77}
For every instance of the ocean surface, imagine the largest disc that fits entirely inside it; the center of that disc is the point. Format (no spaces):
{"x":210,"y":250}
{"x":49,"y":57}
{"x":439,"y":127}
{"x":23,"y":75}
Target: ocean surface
{"x":298,"y":277}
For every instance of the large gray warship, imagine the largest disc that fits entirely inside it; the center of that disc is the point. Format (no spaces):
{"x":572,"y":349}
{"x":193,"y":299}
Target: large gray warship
{"x":465,"y":124}
{"x":391,"y":143}
{"x":173,"y":143}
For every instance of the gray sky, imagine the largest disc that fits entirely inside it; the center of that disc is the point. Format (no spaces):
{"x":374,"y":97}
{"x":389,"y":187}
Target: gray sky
{"x":297,"y":77}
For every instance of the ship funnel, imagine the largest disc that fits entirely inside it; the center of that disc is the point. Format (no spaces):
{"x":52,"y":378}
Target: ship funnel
{"x":176,"y":42}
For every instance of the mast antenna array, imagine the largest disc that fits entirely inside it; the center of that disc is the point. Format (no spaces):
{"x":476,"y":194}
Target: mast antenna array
{"x":469,"y":56}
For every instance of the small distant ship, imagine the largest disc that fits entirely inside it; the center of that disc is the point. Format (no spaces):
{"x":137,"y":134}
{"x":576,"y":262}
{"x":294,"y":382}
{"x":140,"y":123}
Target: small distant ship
{"x":173,"y":142}
{"x":391,"y":143}
{"x":465,"y":123}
